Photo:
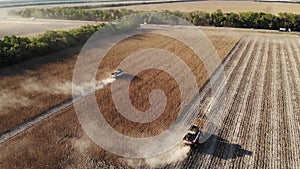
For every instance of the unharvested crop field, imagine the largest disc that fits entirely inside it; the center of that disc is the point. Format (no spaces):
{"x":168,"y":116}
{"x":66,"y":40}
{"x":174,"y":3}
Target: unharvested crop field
{"x":41,"y":83}
{"x":259,"y":125}
{"x":225,"y":6}
{"x":28,"y":27}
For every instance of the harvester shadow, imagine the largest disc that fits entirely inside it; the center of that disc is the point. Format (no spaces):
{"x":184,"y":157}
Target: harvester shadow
{"x":138,"y":37}
{"x":129,"y":77}
{"x":221,"y":148}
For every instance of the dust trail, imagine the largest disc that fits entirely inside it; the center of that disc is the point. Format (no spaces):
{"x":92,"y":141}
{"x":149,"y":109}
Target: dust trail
{"x":177,"y":154}
{"x":65,"y":87}
{"x":58,"y":87}
{"x":9,"y":99}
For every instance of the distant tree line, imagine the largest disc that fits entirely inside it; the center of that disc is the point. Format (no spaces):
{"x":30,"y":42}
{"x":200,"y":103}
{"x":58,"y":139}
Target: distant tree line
{"x":258,"y":20}
{"x":72,"y":13}
{"x":111,"y":4}
{"x":14,"y":49}
{"x":127,"y":4}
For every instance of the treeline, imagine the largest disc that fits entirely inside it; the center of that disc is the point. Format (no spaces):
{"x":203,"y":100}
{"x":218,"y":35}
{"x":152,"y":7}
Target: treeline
{"x":126,"y":4}
{"x":72,"y":13}
{"x":112,"y":4}
{"x":14,"y":49}
{"x":258,"y":20}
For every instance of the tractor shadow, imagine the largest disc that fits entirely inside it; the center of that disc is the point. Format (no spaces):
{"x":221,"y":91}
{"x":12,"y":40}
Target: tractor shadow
{"x":129,"y":77}
{"x":221,"y":148}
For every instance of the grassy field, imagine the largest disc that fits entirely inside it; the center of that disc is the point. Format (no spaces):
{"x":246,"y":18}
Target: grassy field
{"x":225,"y":6}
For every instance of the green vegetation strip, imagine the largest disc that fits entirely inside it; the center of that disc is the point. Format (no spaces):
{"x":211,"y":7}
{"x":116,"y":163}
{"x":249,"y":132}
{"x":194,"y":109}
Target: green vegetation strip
{"x":113,"y":3}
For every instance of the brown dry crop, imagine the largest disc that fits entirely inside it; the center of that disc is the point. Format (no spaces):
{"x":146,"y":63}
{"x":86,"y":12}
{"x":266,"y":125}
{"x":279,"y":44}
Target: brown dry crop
{"x":60,"y":141}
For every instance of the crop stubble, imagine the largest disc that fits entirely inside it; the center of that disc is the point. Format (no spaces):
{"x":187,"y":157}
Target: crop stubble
{"x":266,"y":115}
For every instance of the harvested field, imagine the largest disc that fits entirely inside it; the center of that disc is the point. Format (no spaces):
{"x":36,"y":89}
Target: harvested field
{"x":225,"y":6}
{"x":259,"y":126}
{"x":28,"y":27}
{"x":258,"y":129}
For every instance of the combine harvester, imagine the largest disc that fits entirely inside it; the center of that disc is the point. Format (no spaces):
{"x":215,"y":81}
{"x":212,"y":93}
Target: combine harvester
{"x":192,"y":136}
{"x":117,"y":73}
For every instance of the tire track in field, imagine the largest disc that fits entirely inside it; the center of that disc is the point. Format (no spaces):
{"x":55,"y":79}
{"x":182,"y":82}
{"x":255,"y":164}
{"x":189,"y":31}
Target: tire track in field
{"x":238,"y":70}
{"x":258,"y":127}
{"x":261,"y":157}
{"x":282,"y":106}
{"x":231,"y":117}
{"x":244,"y":86}
{"x":294,"y":49}
{"x":269,"y":98}
{"x":236,"y":59}
{"x":205,"y":93}
{"x":289,"y":79}
{"x":199,"y":159}
{"x":274,"y":112}
{"x":250,"y":107}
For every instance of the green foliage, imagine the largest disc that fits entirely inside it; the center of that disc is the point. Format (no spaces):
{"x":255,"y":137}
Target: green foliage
{"x":72,"y":13}
{"x":258,"y":20}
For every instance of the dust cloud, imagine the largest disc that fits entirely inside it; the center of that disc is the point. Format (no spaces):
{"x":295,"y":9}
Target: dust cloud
{"x":55,"y":87}
{"x":65,"y":87}
{"x":177,"y":154}
{"x":10,"y":99}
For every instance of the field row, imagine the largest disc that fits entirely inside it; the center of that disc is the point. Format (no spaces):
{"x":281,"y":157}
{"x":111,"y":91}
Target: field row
{"x":258,"y":106}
